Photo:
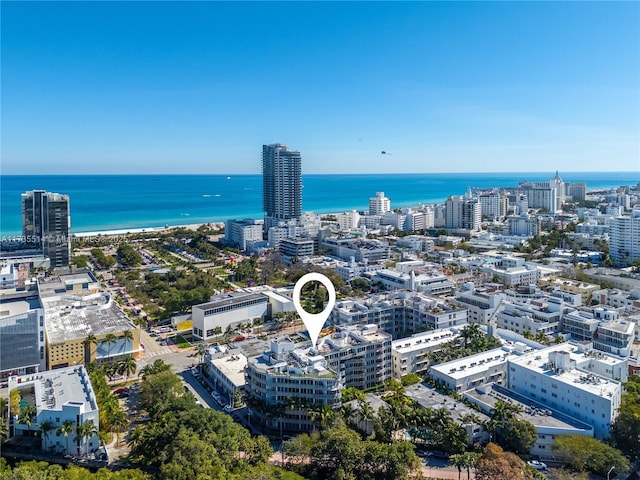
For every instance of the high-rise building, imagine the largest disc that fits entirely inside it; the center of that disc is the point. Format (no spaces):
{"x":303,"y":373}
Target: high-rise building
{"x":379,"y":204}
{"x":281,"y":184}
{"x":624,"y":238}
{"x":46,"y":222}
{"x":463,"y":213}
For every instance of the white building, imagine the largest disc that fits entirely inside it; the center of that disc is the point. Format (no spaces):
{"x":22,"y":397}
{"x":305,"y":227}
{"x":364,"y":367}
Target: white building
{"x":624,"y":238}
{"x":348,"y":220}
{"x":352,"y":270}
{"x":293,"y":378}
{"x":59,"y":395}
{"x":416,"y":281}
{"x":417,"y":243}
{"x":511,"y":276}
{"x":411,"y":354}
{"x":480,"y":303}
{"x":570,"y":382}
{"x":379,"y":204}
{"x":535,"y":316}
{"x":524,"y":225}
{"x":226,"y":373}
{"x":227,"y":310}
{"x":239,"y":232}
{"x":464,"y":213}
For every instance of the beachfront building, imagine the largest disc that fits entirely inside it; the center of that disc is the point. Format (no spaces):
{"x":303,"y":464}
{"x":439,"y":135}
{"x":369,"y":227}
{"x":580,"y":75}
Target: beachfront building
{"x":291,"y":381}
{"x":75,"y":308}
{"x":58,"y":396}
{"x":379,"y":204}
{"x":463,"y":213}
{"x":46,"y":224}
{"x":361,"y":354}
{"x":281,"y":184}
{"x":240,"y":232}
{"x":412,"y":354}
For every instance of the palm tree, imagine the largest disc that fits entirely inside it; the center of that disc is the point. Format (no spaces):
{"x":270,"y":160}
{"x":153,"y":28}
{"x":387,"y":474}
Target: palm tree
{"x":347,"y":412}
{"x":201,"y":350}
{"x":127,"y":336}
{"x":84,"y":432}
{"x":458,"y":461}
{"x":87,"y":342}
{"x":127,"y":367}
{"x":119,"y":421}
{"x":109,"y":339}
{"x":65,"y":429}
{"x":45,"y":427}
{"x":26,"y":416}
{"x":4,"y":430}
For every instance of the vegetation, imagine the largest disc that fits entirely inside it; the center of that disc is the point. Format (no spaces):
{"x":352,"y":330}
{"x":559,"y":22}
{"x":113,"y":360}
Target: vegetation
{"x":112,"y":416}
{"x":588,"y":454}
{"x":625,"y":431}
{"x":101,"y":259}
{"x":80,"y":261}
{"x":496,"y":464}
{"x":471,"y":341}
{"x":187,"y":442}
{"x":510,"y":432}
{"x":128,"y":255}
{"x":34,"y":470}
{"x":340,"y":453}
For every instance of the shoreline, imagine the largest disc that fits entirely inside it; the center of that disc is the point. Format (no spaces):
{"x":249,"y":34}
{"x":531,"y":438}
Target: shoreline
{"x":133,"y":231}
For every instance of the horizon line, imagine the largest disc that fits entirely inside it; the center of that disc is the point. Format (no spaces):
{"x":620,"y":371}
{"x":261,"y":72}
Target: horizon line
{"x":329,"y":173}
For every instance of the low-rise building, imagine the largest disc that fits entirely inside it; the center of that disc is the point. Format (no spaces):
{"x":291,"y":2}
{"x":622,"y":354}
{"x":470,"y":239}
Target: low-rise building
{"x":226,"y":311}
{"x":240,"y":232}
{"x":226,"y":373}
{"x":411,"y":354}
{"x":603,"y":327}
{"x":75,"y":308}
{"x":361,"y":354}
{"x":293,"y":381}
{"x":58,"y":396}
{"x":571,"y":382}
{"x":535,"y":316}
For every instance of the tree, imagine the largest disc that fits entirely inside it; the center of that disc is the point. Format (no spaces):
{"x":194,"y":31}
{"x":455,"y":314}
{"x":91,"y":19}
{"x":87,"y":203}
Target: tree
{"x":127,"y":336}
{"x":625,"y":431}
{"x":496,"y":464}
{"x":588,"y":454}
{"x":88,"y":342}
{"x":109,"y":339}
{"x":119,"y":422}
{"x":27,"y":415}
{"x":127,"y":366}
{"x":84,"y":432}
{"x":128,"y":255}
{"x":65,"y":429}
{"x":45,"y":427}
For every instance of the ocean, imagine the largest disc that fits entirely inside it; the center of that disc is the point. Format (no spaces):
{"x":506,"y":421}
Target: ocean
{"x":115,"y":202}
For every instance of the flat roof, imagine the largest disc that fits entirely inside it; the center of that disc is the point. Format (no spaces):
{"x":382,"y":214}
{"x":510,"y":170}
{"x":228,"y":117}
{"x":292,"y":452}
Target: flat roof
{"x":473,"y":364}
{"x":232,"y":367}
{"x":229,"y":299}
{"x":538,"y":361}
{"x":68,"y":319}
{"x":424,"y":340}
{"x":18,"y":306}
{"x":55,"y":388}
{"x":431,"y":398}
{"x":537,"y":414}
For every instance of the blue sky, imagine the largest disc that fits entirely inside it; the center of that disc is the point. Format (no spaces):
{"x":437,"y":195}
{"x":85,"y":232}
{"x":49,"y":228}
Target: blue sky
{"x":119,"y":87}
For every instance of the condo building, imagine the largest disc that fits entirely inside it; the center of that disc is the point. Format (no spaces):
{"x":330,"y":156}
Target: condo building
{"x":296,"y":379}
{"x":624,"y":238}
{"x":281,"y":184}
{"x":411,"y":354}
{"x":379,"y":204}
{"x":46,"y":224}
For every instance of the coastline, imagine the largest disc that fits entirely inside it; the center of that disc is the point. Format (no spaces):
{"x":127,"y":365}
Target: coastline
{"x":133,"y":231}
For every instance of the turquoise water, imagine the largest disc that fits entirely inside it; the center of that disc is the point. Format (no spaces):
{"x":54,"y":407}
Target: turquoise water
{"x":109,"y":202}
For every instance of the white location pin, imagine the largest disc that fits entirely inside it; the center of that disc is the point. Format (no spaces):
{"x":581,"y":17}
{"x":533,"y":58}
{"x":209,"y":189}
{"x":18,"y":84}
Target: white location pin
{"x":314,"y":321}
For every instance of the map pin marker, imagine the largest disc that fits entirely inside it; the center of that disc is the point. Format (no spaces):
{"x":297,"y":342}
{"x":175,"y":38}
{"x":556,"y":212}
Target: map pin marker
{"x":314,"y":321}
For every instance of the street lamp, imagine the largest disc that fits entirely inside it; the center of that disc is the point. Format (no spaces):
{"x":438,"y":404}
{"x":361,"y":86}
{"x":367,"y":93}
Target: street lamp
{"x":609,"y":472}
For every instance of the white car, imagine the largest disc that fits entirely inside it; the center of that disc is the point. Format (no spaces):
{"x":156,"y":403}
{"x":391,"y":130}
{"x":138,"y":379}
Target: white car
{"x":228,"y":408}
{"x":537,"y":464}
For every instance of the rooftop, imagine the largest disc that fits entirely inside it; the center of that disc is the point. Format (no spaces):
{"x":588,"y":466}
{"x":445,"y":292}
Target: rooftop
{"x":429,"y":397}
{"x":473,"y":364}
{"x":232,"y":367}
{"x":424,"y":340}
{"x":54,"y":389}
{"x":229,"y":299}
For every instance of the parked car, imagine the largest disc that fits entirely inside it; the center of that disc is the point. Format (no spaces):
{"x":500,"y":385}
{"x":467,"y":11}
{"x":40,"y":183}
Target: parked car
{"x":538,"y":465}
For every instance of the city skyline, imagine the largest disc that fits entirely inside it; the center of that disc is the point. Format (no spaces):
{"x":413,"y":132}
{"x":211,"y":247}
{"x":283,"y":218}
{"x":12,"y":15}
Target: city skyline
{"x":438,"y":86}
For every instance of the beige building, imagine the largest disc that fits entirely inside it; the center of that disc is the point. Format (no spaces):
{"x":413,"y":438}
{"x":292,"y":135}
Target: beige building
{"x":75,"y":307}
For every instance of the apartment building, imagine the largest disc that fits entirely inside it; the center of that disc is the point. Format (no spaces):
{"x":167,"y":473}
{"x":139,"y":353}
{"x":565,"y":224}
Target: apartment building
{"x":603,"y":327}
{"x":240,"y":232}
{"x":295,"y":379}
{"x":59,"y":395}
{"x":411,"y":354}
